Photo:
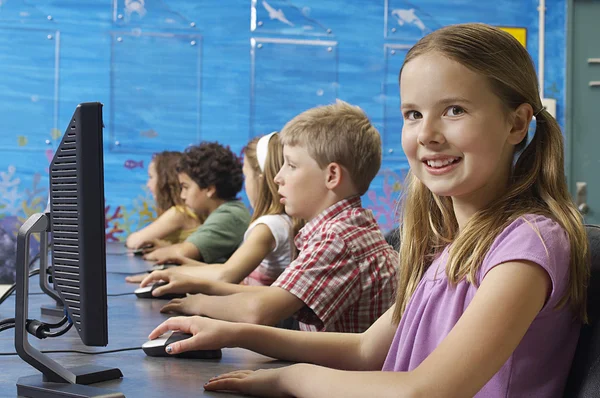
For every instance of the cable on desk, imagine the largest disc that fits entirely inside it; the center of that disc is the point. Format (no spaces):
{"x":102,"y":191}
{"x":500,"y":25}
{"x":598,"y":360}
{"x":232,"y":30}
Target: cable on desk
{"x":78,"y":351}
{"x":6,"y":326}
{"x":120,"y":294}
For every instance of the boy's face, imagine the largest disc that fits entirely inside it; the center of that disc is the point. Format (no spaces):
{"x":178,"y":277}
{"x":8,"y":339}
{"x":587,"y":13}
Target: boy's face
{"x":194,"y":197}
{"x":301,"y":183}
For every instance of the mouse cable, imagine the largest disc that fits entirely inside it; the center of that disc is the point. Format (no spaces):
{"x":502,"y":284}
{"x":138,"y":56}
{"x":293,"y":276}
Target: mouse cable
{"x":78,"y":351}
{"x":12,"y":288}
{"x":120,"y":294}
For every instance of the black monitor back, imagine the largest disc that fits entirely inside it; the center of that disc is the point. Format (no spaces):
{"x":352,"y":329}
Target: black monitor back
{"x":78,"y":224}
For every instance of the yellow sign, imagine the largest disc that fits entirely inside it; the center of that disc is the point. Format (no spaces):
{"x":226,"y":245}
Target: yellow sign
{"x":518,"y":33}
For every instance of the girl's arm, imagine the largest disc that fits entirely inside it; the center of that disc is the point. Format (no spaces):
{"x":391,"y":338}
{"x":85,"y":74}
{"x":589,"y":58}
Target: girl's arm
{"x":259,"y":243}
{"x":218,"y":279}
{"x":184,"y":279}
{"x":168,"y":222}
{"x":365,"y":351}
{"x":488,"y":332}
{"x":183,"y":249}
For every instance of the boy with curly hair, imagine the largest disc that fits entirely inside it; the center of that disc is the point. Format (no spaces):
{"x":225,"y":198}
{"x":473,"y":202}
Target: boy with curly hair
{"x":211,"y":177}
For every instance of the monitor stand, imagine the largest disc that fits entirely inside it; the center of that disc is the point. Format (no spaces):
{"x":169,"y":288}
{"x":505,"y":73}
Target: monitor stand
{"x":55,"y":380}
{"x":57,"y":310}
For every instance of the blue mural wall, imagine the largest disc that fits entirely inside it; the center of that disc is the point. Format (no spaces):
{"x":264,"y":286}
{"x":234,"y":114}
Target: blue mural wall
{"x":173,"y":73}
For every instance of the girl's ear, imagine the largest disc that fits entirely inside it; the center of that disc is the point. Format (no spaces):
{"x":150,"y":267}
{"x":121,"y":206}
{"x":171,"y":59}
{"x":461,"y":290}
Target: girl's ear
{"x":520,"y":124}
{"x":333,"y":175}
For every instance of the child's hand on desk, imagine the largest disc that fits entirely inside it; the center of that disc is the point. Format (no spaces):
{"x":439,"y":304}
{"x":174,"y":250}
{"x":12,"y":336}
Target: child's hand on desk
{"x":209,"y":334}
{"x":260,"y":383}
{"x":191,"y":305}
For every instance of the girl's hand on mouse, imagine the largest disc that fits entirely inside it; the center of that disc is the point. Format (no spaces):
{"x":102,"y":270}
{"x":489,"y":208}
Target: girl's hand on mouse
{"x":260,"y":383}
{"x":208,"y":334}
{"x":134,"y":241}
{"x":156,"y":276}
{"x":177,"y":282}
{"x":191,"y":305}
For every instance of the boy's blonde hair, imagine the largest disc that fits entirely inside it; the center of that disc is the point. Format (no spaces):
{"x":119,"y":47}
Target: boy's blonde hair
{"x":536,"y":185}
{"x":338,"y":133}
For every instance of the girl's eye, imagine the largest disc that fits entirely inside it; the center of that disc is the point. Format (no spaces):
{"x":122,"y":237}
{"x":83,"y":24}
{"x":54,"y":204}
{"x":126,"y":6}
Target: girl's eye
{"x":455,"y":111}
{"x":412,"y":115}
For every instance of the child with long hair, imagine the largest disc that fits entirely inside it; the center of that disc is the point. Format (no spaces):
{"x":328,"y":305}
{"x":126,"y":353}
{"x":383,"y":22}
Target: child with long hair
{"x":494,"y":260}
{"x":175,"y":221}
{"x":268,"y":242}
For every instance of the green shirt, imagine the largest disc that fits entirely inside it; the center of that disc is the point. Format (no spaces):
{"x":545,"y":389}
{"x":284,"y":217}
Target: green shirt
{"x":222,"y":232}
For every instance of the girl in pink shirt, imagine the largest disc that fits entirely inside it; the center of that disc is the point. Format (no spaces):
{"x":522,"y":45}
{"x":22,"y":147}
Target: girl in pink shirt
{"x":493,"y":256}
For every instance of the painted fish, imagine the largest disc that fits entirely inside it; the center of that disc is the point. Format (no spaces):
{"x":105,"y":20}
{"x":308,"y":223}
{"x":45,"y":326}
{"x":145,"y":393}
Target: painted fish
{"x":49,"y":154}
{"x":276,"y":14}
{"x":132,"y":164}
{"x":408,"y":17}
{"x":151,"y":133}
{"x":55,"y":133}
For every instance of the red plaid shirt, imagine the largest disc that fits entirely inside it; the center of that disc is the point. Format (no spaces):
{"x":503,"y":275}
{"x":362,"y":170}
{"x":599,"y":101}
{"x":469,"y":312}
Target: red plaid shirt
{"x":345,"y":272}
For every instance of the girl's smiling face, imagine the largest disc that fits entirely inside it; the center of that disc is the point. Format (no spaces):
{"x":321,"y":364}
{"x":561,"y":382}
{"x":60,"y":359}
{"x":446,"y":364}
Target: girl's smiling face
{"x":457,"y":133}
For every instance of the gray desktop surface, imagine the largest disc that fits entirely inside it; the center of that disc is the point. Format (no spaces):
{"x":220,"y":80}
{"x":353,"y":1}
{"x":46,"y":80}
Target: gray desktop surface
{"x":129,"y":321}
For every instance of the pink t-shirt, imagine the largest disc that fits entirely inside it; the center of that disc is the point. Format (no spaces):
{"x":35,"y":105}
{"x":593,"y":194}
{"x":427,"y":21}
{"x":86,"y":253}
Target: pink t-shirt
{"x":540,"y":364}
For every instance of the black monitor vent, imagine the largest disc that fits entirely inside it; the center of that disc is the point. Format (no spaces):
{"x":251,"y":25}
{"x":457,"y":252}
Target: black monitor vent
{"x":65,"y":224}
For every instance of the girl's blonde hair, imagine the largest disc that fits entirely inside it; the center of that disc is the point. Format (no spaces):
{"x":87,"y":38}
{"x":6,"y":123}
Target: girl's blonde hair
{"x":267,"y":201}
{"x":537,"y":183}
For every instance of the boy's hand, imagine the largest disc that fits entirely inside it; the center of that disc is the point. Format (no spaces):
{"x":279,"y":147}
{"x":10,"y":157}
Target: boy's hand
{"x":150,"y":245}
{"x":158,"y":254}
{"x":174,"y":259}
{"x":208,"y":334}
{"x":191,"y":305}
{"x":260,"y":383}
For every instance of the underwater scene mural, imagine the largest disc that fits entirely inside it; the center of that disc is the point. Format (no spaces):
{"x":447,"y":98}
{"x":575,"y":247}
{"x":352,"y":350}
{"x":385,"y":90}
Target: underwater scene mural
{"x":173,"y":73}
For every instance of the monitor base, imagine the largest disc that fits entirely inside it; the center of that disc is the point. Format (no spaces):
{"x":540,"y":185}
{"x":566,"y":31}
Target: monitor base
{"x":37,"y":387}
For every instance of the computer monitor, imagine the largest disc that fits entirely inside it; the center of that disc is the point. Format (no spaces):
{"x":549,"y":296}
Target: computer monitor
{"x":77,"y":222}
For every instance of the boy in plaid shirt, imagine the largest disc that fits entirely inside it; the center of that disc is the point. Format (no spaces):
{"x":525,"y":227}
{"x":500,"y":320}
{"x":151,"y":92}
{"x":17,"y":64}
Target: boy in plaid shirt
{"x":345,"y":274}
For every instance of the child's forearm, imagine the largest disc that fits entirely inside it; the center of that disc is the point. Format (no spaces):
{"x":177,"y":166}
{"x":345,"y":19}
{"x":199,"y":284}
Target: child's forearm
{"x":218,"y":288}
{"x":336,"y":350}
{"x":303,"y":380}
{"x":216,"y":272}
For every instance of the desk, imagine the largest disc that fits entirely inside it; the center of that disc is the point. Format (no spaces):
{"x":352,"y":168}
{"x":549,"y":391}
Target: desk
{"x":129,"y":321}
